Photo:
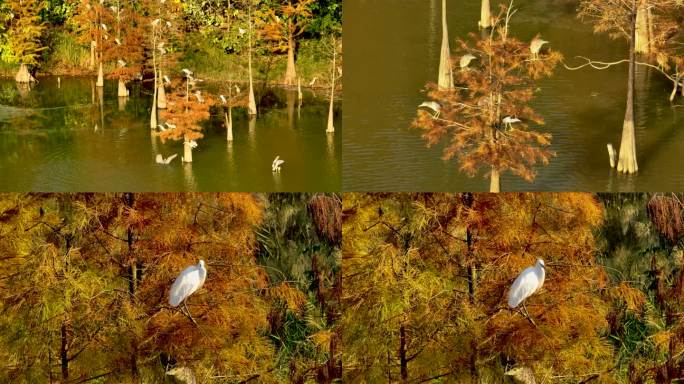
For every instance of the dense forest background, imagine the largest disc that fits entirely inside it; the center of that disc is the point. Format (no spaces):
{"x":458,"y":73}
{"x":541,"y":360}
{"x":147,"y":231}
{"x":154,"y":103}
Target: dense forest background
{"x":86,"y":277}
{"x":426,"y":277}
{"x":211,"y":37}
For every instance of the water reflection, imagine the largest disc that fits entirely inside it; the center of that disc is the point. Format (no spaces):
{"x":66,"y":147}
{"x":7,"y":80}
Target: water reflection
{"x":79,"y":137}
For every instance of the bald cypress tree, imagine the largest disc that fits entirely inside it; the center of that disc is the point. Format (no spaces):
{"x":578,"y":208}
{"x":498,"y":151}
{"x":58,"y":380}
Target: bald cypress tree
{"x":24,"y":35}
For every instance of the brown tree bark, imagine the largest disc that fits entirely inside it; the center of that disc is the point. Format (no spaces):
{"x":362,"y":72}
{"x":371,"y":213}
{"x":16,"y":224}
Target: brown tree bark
{"x":290,"y":71}
{"x":403,"y":362}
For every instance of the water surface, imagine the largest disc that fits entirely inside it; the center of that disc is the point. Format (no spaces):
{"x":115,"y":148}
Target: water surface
{"x":65,"y":139}
{"x":392,"y":51}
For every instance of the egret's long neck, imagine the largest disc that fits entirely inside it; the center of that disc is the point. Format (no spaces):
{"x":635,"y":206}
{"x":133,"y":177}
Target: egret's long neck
{"x":541,"y":272}
{"x":202,"y":271}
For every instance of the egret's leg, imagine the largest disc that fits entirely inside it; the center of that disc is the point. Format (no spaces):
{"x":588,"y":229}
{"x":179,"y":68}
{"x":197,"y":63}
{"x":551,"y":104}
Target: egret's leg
{"x":188,"y":312}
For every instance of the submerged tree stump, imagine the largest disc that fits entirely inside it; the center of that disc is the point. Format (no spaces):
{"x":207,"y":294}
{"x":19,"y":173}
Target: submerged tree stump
{"x":23,"y":75}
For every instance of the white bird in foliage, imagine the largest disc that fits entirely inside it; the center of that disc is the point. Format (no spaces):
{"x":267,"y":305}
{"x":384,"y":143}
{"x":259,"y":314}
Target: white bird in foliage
{"x":223,"y":99}
{"x":121,"y":63}
{"x":237,"y":89}
{"x":466,"y":59}
{"x":191,"y":143}
{"x":114,"y":8}
{"x":242,"y":31}
{"x":311,"y":84}
{"x":161,"y":160}
{"x":156,"y":22}
{"x":199,"y":97}
{"x":509,"y":121}
{"x":103,"y":26}
{"x":536,"y":46}
{"x":275,"y":167}
{"x":168,"y":24}
{"x":188,"y":282}
{"x":187,"y":72}
{"x":526,"y":284}
{"x":161,"y":128}
{"x":117,"y":41}
{"x":433,"y":106}
{"x":169,"y":125}
{"x":167,"y":80}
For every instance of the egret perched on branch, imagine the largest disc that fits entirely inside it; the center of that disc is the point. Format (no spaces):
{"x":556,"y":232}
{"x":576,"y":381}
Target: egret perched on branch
{"x":509,"y":121}
{"x":167,"y":80}
{"x":190,"y":280}
{"x":104,"y":27}
{"x":536,"y":46}
{"x":275,"y":167}
{"x":169,"y":125}
{"x":311,"y":84}
{"x":199,"y":97}
{"x":161,"y":160}
{"x":121,"y":63}
{"x":526,"y":284}
{"x":223,"y":99}
{"x":187,"y":72}
{"x":161,"y":128}
{"x":466,"y":59}
{"x":433,"y":106}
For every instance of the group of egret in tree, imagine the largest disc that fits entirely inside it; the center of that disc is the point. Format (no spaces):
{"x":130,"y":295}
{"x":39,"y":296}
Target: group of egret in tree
{"x":535,"y":48}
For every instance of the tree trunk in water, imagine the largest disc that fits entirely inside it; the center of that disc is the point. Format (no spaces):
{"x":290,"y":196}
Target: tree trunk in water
{"x":402,"y":353}
{"x":494,"y":184}
{"x":153,"y":113}
{"x":100,"y":77}
{"x":187,"y":151}
{"x":23,"y":75}
{"x":161,"y":93}
{"x":229,"y":124}
{"x":485,"y":15}
{"x":331,"y":127}
{"x":123,"y":92}
{"x":251,"y":107}
{"x":290,"y":71}
{"x":63,"y":351}
{"x":642,"y":38}
{"x":628,"y":161}
{"x":445,"y":77}
{"x":92,"y":54}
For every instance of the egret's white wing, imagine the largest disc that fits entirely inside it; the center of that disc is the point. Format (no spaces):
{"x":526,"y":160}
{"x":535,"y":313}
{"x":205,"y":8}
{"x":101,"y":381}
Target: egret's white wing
{"x":185,"y":284}
{"x":160,"y":159}
{"x":279,"y":162}
{"x":523,"y":287}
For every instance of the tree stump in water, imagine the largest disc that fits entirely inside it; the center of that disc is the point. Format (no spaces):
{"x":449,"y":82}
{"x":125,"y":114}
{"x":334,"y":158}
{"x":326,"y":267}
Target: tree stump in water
{"x":161,"y":97}
{"x":123,"y":92}
{"x":23,"y":75}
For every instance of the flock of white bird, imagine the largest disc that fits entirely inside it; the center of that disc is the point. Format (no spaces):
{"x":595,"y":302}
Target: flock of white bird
{"x":535,"y":48}
{"x":277,"y":162}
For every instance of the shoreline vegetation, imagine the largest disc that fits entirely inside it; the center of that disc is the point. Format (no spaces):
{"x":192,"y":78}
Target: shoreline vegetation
{"x":179,"y":45}
{"x":68,"y":59}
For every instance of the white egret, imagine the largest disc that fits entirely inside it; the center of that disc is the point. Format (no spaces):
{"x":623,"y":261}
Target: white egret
{"x":199,"y":97}
{"x":536,"y":46}
{"x":509,"y":121}
{"x":104,"y":27}
{"x":223,"y":99}
{"x":161,"y":160}
{"x":121,"y":63}
{"x":311,"y":84}
{"x":191,"y":143}
{"x":527,"y":283}
{"x":168,"y":24}
{"x":433,"y":106}
{"x":190,"y":280}
{"x":161,"y":128}
{"x":117,"y":41}
{"x":466,"y":59}
{"x":167,"y":80}
{"x":169,"y":125}
{"x":188,"y":73}
{"x":275,"y":166}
